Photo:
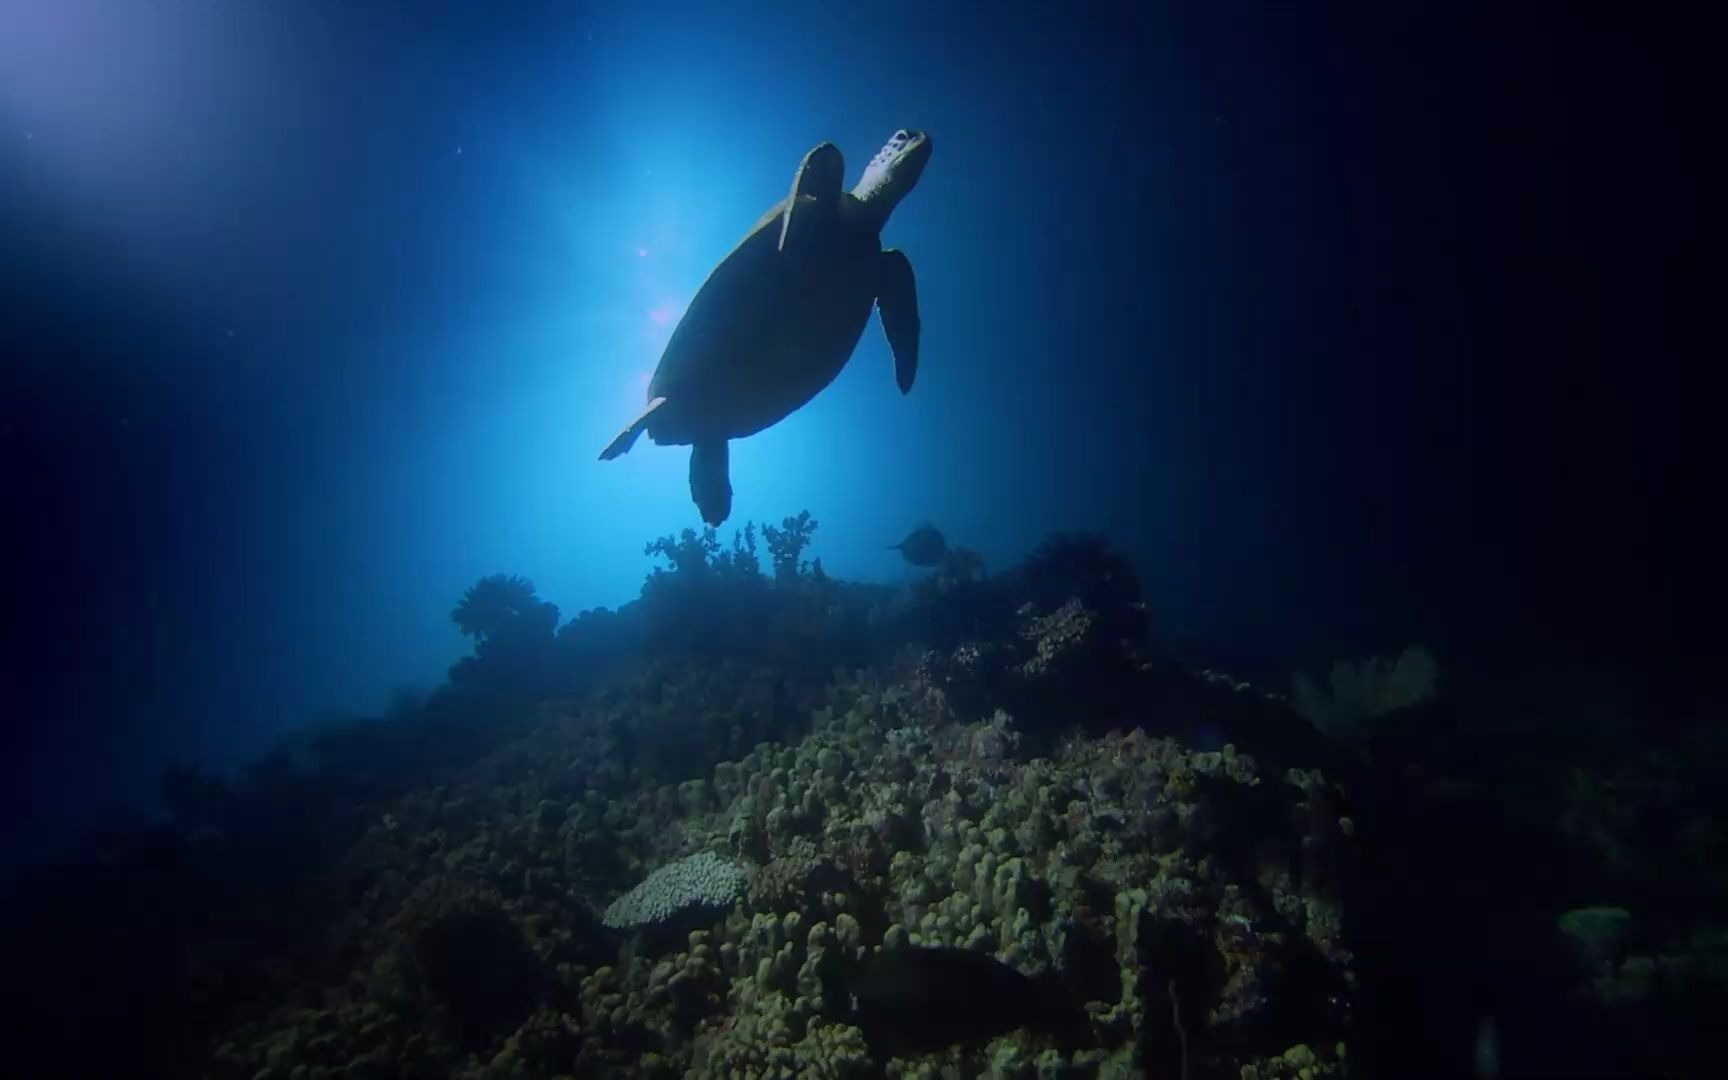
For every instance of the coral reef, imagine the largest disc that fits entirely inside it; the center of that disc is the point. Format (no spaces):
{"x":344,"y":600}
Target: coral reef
{"x":1095,"y":867}
{"x":650,"y":844}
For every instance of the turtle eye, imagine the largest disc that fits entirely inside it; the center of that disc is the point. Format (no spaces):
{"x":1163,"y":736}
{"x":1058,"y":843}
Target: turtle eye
{"x":902,"y":135}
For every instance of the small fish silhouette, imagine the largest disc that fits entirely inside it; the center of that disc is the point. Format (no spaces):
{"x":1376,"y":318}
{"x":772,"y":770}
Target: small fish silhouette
{"x":923,"y":547}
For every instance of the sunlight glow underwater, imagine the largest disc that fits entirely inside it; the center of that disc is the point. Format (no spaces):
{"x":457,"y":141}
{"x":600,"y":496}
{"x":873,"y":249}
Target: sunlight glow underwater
{"x":790,"y":467}
{"x":476,"y":449}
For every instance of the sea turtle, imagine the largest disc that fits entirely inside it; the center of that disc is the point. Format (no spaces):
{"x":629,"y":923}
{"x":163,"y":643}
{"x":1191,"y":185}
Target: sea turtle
{"x":780,"y":316}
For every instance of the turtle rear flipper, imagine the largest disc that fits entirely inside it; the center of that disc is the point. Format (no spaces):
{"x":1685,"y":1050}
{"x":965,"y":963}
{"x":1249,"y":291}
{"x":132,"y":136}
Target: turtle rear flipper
{"x":897,"y":302}
{"x":621,"y":445}
{"x":815,"y":198}
{"x":710,"y":484}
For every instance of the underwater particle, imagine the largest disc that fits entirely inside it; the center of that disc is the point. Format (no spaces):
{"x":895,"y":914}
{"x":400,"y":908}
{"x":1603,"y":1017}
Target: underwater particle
{"x":691,"y":888}
{"x":922,"y":999}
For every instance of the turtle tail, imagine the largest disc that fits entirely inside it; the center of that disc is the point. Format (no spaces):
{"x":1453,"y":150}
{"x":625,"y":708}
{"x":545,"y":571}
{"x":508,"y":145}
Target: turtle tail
{"x":710,"y":486}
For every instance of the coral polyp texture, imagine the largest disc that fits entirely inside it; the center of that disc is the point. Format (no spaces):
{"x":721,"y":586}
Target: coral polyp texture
{"x":1162,"y":894}
{"x":681,"y":891}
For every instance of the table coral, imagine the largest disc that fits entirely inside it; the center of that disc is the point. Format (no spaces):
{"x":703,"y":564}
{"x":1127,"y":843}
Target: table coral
{"x":689,"y":889}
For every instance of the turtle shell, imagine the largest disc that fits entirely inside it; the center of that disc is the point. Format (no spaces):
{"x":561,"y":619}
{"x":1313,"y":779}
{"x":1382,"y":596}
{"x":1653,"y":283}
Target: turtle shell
{"x":766,"y":333}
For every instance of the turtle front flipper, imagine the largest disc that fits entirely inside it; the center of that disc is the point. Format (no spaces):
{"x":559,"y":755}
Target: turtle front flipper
{"x":710,"y":486}
{"x":627,"y":438}
{"x":815,"y":197}
{"x":897,"y":302}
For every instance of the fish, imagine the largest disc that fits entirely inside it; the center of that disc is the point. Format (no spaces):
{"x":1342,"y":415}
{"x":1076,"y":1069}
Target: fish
{"x":924,"y":546}
{"x":923,"y":998}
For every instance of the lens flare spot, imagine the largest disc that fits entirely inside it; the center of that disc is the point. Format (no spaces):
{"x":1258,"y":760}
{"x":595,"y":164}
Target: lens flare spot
{"x":641,"y":253}
{"x":661,"y":315}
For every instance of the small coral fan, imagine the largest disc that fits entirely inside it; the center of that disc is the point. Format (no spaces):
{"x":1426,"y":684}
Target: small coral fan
{"x":1365,"y":692}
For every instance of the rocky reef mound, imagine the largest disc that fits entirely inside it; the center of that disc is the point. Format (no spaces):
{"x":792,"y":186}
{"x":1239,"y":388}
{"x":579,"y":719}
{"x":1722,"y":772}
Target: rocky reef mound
{"x":771,"y":824}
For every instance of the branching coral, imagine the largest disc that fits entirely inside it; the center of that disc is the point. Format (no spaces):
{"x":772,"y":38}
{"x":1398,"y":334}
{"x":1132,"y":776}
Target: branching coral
{"x":718,"y":603}
{"x":690,"y":552}
{"x":697,"y":554}
{"x":786,"y":544}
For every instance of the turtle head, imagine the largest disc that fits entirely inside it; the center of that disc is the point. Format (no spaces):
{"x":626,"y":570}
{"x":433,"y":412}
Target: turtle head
{"x":893,"y":171}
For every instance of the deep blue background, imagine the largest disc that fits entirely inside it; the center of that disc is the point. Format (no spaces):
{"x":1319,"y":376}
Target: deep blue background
{"x":1357,"y":326}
